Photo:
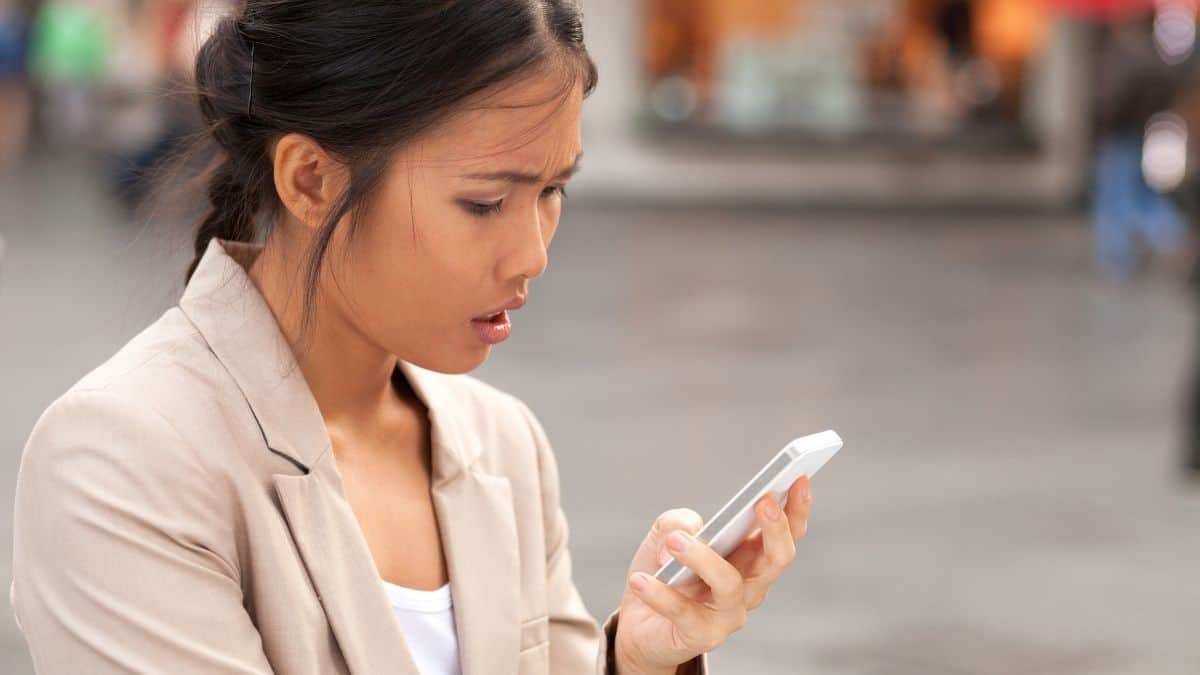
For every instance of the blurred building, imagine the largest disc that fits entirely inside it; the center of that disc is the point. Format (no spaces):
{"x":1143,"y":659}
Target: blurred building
{"x":865,"y":102}
{"x":774,"y":102}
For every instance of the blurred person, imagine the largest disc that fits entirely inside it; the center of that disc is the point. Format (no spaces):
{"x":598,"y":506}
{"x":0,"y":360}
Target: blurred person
{"x":953,"y":19}
{"x":1134,"y":85}
{"x":68,"y":50}
{"x":134,"y":113}
{"x":292,"y":471}
{"x":688,"y":39}
{"x":882,"y":52}
{"x":14,"y":85}
{"x":163,"y":39}
{"x":682,"y":38}
{"x":1187,"y":197}
{"x":915,"y":54}
{"x":968,"y":77}
{"x":958,"y":60}
{"x":1007,"y":34}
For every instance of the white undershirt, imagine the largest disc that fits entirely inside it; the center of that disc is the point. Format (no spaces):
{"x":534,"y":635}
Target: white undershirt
{"x":427,"y":619}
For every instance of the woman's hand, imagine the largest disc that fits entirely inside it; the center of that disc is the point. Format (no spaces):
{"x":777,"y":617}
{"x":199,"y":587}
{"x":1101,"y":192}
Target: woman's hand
{"x":661,"y":626}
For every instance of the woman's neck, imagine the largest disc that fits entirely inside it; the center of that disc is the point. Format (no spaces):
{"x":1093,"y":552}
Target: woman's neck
{"x":350,"y":377}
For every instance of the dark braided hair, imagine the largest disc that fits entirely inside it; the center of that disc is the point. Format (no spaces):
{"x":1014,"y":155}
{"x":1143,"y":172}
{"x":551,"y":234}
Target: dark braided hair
{"x":238,"y":174}
{"x":361,"y":79}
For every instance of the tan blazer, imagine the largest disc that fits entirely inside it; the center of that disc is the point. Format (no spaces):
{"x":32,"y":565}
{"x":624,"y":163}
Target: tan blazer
{"x":178,"y":510}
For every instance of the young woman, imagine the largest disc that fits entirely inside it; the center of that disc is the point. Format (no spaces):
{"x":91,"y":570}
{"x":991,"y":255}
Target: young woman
{"x":290,"y":471}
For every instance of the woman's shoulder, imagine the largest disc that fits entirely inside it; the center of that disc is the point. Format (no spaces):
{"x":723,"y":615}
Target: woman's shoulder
{"x":164,"y":354}
{"x":110,"y":469}
{"x":135,"y":403}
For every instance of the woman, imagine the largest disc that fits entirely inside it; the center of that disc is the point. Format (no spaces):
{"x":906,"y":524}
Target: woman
{"x":245,"y":485}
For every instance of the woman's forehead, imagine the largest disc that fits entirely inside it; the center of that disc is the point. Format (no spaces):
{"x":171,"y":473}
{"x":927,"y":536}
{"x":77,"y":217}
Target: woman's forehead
{"x":512,"y":132}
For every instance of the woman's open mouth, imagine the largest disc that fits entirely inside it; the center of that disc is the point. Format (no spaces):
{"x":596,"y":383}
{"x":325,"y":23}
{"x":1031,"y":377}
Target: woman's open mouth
{"x":493,"y":329}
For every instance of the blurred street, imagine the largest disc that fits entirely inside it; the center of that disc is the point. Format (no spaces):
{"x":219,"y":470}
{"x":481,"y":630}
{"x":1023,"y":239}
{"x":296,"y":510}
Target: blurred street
{"x":1007,"y":500}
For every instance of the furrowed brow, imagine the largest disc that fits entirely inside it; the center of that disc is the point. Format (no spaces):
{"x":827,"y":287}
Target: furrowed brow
{"x":525,"y":178}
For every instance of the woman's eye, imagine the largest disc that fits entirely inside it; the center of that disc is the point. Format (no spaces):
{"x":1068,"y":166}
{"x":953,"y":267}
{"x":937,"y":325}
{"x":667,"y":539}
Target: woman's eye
{"x":480,"y":209}
{"x":493,"y":208}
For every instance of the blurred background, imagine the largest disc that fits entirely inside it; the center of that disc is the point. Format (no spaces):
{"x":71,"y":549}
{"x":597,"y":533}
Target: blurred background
{"x":960,"y":232}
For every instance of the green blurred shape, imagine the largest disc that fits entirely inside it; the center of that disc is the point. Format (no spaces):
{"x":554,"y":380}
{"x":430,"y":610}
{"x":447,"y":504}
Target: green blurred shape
{"x":68,"y":43}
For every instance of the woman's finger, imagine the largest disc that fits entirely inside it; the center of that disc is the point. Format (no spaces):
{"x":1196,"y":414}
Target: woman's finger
{"x":699,"y":627}
{"x":776,"y":551}
{"x":690,"y":618}
{"x":747,"y":556}
{"x":798,"y":507}
{"x":674,"y":519}
{"x":723,"y":579}
{"x":778,"y":547}
{"x":649,"y":556}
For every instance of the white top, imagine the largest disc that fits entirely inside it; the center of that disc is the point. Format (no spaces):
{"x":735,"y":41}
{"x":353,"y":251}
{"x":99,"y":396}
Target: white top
{"x":427,"y":619}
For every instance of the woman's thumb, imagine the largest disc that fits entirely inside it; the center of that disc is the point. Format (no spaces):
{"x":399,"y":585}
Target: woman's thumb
{"x":652,"y":553}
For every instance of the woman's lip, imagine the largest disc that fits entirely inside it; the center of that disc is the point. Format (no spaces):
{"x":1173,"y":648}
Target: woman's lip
{"x":493,"y":331}
{"x":516,"y":303}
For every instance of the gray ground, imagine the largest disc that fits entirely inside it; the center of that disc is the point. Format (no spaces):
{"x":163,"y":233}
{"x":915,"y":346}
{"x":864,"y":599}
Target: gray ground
{"x":1005,"y":502}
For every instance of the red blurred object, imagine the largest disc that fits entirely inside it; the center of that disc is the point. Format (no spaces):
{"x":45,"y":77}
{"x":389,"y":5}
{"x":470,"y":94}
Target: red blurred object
{"x":1101,"y":9}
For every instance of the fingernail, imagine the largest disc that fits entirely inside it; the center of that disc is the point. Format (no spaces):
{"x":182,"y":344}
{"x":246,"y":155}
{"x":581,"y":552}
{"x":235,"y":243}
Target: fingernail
{"x":806,"y":489}
{"x":771,"y":509}
{"x":638,"y":581}
{"x":677,"y":541}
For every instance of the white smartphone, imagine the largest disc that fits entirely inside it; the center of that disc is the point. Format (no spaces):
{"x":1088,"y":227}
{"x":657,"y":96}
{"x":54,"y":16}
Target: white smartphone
{"x":736,"y":520}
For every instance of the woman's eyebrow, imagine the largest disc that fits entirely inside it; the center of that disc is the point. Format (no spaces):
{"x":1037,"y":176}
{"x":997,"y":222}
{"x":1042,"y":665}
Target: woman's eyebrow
{"x":522,"y":177}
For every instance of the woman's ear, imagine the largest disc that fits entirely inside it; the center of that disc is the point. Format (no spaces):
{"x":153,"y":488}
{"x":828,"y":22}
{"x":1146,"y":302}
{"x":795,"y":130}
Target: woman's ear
{"x":307,"y":179}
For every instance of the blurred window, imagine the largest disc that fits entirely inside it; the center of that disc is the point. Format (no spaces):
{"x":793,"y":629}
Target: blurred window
{"x":835,"y":69}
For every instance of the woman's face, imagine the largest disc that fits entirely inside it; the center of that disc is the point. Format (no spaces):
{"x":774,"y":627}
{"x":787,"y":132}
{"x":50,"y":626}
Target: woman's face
{"x":462,"y":223}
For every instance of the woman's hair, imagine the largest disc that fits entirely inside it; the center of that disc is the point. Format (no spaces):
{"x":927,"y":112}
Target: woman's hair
{"x":361,"y":78}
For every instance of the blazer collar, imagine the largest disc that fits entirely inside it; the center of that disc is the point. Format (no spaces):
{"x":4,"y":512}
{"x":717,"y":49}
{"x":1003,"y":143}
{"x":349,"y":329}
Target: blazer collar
{"x":231,"y":314}
{"x":474,"y":508}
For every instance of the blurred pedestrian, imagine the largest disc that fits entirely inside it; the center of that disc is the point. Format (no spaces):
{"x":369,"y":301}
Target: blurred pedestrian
{"x":68,"y":50}
{"x":14,"y":83}
{"x":1187,"y":197}
{"x":170,"y":33}
{"x":1135,"y":84}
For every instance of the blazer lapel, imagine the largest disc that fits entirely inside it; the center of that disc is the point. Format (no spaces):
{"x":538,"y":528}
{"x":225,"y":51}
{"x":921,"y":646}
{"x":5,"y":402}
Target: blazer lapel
{"x":479,"y":536}
{"x":344,"y":575}
{"x":474,"y":508}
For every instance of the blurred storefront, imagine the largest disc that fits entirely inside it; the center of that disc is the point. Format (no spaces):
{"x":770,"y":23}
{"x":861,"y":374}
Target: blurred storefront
{"x":887,"y":70}
{"x":871,"y":103}
{"x":843,"y":101}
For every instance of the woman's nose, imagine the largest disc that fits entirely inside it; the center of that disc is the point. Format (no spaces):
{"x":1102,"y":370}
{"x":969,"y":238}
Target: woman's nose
{"x":531,"y":257}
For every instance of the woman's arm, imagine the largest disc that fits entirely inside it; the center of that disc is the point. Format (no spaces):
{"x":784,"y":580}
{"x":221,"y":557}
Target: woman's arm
{"x":122,"y":549}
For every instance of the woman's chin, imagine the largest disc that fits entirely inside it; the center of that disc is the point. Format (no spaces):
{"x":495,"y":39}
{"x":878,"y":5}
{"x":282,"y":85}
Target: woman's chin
{"x":457,"y":362}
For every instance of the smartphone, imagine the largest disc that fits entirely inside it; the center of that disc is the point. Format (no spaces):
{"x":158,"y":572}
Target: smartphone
{"x":736,"y":520}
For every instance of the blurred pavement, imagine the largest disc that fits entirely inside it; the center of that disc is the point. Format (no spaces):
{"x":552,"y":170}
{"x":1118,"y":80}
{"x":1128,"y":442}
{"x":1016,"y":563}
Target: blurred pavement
{"x":1006,"y":501}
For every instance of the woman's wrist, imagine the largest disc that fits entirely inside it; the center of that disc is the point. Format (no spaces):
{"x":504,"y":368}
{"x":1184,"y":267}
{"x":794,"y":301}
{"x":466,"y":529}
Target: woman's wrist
{"x":622,"y":663}
{"x":629,"y":669}
{"x":626,"y":665}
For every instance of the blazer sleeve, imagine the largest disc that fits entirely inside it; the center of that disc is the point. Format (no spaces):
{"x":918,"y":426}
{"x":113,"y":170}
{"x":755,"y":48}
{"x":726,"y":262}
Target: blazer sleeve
{"x":117,"y":553}
{"x":577,"y":643}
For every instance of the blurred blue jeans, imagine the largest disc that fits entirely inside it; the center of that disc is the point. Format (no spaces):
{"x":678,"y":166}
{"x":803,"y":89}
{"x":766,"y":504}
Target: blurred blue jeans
{"x":1126,"y":211}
